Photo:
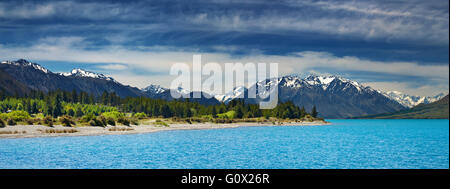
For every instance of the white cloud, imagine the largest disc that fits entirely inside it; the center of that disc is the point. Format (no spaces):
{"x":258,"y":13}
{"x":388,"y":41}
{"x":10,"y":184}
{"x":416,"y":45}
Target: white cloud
{"x":113,"y":67}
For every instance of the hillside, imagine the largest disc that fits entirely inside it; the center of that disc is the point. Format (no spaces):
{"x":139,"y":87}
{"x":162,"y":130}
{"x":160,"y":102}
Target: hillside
{"x":435,"y":110}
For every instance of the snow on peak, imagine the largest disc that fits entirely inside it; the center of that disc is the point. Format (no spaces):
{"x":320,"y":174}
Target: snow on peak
{"x":156,"y":89}
{"x":411,"y":100}
{"x":83,"y":73}
{"x":238,"y":92}
{"x":323,"y":81}
{"x":23,"y":62}
{"x":181,"y":90}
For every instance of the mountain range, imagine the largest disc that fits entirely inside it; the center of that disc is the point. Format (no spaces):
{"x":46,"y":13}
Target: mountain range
{"x":410,"y":100}
{"x":334,"y":96}
{"x":21,"y":76}
{"x":32,"y":76}
{"x":434,"y":110}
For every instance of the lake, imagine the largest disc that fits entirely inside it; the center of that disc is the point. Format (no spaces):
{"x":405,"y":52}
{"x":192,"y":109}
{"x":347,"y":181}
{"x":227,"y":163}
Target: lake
{"x":346,"y":144}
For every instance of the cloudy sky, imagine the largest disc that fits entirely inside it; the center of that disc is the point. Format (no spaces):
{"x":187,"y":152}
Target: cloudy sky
{"x":389,"y":45}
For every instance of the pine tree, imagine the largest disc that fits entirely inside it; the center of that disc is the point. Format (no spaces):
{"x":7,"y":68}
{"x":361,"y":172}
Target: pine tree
{"x":48,"y":109}
{"x":57,"y":107}
{"x":213,"y":112}
{"x":239,"y":112}
{"x":314,"y":112}
{"x":74,"y":96}
{"x":2,"y":94}
{"x":34,"y":108}
{"x":302,"y":112}
{"x":165,"y":111}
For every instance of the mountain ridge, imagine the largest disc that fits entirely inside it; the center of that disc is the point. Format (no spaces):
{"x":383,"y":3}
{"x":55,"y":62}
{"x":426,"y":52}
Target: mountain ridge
{"x":411,"y":100}
{"x":36,"y":77}
{"x":334,"y":96}
{"x":435,"y":110}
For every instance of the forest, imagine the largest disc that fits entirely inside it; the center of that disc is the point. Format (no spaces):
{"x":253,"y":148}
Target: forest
{"x":71,"y":107}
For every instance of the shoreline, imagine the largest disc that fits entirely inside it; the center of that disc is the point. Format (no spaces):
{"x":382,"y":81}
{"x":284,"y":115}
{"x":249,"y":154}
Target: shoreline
{"x":34,"y":131}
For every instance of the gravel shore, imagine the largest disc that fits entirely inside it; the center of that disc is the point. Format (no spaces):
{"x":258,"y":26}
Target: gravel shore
{"x":27,"y":131}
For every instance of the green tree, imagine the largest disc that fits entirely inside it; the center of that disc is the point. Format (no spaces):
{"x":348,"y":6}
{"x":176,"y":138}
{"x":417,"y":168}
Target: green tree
{"x":213,"y":112}
{"x":239,"y":112}
{"x":79,"y":112}
{"x":70,"y":112}
{"x":74,"y":96}
{"x":57,"y":107}
{"x":165,"y":111}
{"x":314,"y":112}
{"x":19,"y":106}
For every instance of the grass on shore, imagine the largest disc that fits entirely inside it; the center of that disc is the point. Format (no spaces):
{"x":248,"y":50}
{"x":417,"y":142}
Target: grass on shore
{"x":120,"y":129}
{"x":12,"y":132}
{"x":58,"y":130}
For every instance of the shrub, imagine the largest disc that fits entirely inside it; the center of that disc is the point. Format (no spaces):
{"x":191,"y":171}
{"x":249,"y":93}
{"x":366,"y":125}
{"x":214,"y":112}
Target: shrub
{"x":113,"y":114}
{"x":30,"y":121}
{"x":102,"y":119}
{"x":124,"y":121}
{"x":92,"y":123}
{"x":3,"y":116}
{"x":2,"y":123}
{"x":227,"y":115}
{"x":140,"y":115}
{"x":87,"y":117}
{"x":309,"y":118}
{"x":18,"y":115}
{"x":66,"y":121}
{"x":11,"y":122}
{"x":48,"y":120}
{"x":160,"y":123}
{"x":97,"y":122}
{"x":199,"y":120}
{"x":110,"y":121}
{"x":134,"y":121}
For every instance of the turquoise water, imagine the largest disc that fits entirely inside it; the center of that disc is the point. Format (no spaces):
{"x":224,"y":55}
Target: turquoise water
{"x":352,"y":144}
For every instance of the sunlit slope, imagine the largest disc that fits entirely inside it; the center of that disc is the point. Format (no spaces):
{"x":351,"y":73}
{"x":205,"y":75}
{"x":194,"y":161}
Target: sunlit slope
{"x":435,"y":110}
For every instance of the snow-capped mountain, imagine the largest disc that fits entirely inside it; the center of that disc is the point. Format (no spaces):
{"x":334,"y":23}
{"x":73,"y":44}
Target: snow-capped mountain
{"x":158,"y":92}
{"x":31,"y":76}
{"x":295,"y":82}
{"x":155,"y":89}
{"x":83,"y":73}
{"x":410,"y":100}
{"x":23,"y":62}
{"x":238,"y":92}
{"x":181,"y":90}
{"x":334,"y":96}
